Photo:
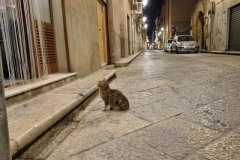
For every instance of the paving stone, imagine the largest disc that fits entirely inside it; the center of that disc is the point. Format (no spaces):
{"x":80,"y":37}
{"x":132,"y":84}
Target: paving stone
{"x":226,"y":147}
{"x":155,"y":112}
{"x":195,"y":157}
{"x":175,"y":137}
{"x":222,"y":115}
{"x":119,"y":149}
{"x":93,"y":133}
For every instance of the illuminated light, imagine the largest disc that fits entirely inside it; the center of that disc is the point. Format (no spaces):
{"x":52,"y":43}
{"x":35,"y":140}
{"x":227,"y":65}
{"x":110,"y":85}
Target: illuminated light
{"x":145,"y":26}
{"x":162,"y":29}
{"x":145,"y":2}
{"x":144,"y":19}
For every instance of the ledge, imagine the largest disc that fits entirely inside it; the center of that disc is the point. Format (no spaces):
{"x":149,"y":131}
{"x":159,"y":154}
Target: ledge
{"x":10,"y":92}
{"x":123,"y":62}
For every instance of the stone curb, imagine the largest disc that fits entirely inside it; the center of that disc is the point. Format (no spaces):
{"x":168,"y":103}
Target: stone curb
{"x":22,"y":141}
{"x":226,"y":52}
{"x":123,"y":62}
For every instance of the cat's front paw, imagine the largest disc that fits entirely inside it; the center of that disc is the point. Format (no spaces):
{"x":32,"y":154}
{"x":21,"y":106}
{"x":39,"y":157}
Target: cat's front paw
{"x":104,"y":109}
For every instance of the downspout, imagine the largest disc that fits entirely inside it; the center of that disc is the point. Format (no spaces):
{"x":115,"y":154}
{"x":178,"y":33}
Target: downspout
{"x":132,"y":26}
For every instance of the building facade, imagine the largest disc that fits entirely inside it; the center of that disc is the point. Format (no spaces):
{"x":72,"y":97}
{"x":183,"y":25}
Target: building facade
{"x":175,"y":17}
{"x":226,"y":24}
{"x":53,"y":36}
{"x":215,"y":24}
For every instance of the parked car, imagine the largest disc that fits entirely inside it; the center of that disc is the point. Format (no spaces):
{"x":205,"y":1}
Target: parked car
{"x":167,"y":45}
{"x":184,"y":43}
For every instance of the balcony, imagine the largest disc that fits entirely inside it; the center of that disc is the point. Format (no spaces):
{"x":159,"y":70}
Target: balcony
{"x":138,"y":6}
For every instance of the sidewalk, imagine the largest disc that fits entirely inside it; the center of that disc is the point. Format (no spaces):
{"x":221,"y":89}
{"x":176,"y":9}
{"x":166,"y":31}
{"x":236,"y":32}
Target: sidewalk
{"x":29,"y":119}
{"x":182,"y":107}
{"x":123,"y":62}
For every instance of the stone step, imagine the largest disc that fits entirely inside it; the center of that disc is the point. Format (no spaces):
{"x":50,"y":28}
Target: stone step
{"x":22,"y":93}
{"x":29,"y":119}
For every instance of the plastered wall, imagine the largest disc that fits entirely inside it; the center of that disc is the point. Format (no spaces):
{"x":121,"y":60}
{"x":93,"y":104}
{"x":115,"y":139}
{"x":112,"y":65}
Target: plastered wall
{"x":82,"y":31}
{"x":114,"y":30}
{"x":221,"y":24}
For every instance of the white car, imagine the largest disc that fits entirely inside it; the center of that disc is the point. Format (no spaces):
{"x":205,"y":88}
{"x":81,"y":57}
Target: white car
{"x":167,"y":45}
{"x":184,"y":43}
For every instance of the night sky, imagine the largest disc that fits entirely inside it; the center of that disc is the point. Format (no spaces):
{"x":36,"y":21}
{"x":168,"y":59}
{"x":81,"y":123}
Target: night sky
{"x":150,"y":11}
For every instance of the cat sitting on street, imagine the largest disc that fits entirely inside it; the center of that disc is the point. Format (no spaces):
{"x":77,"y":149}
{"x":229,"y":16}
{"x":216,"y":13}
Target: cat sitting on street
{"x":112,"y":97}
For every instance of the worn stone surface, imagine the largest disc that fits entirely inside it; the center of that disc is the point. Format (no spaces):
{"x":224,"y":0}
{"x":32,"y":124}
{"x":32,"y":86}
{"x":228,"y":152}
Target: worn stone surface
{"x":175,"y":137}
{"x":226,"y":147}
{"x":182,"y":107}
{"x":96,"y":132}
{"x":194,"y":157}
{"x":124,"y":150}
{"x":222,"y":115}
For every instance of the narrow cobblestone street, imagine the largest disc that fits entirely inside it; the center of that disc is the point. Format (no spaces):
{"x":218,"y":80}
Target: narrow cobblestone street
{"x":182,"y":107}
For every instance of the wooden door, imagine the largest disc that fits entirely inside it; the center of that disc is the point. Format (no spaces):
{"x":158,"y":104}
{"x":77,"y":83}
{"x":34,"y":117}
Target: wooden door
{"x":102,"y":31}
{"x":45,"y":38}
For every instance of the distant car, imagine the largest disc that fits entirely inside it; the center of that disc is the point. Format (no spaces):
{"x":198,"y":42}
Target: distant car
{"x":167,"y":45}
{"x":184,"y":43}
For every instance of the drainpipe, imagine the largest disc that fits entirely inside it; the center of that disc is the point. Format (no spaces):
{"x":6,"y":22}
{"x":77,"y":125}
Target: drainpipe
{"x":4,"y":133}
{"x":211,"y":10}
{"x":132,"y":29}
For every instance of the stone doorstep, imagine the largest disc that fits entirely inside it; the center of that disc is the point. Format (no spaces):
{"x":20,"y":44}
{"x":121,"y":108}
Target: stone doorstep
{"x":28,"y":120}
{"x":18,"y":94}
{"x":123,"y":62}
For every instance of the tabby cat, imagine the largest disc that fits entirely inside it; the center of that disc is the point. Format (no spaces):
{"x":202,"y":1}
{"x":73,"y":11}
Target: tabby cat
{"x":112,"y":97}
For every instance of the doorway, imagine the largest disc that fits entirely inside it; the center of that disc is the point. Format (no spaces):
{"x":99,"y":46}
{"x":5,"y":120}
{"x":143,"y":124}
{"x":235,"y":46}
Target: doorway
{"x":128,"y":30}
{"x":102,"y":32}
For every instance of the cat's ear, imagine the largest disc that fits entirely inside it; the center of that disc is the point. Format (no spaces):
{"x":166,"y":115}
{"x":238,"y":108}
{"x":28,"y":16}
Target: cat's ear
{"x":104,"y":79}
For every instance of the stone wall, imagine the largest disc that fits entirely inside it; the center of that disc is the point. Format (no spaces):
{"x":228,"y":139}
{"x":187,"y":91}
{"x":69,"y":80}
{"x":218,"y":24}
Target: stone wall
{"x":125,"y":10}
{"x":82,"y":31}
{"x":221,"y":24}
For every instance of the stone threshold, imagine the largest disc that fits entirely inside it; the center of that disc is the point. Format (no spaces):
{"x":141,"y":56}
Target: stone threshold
{"x":17,"y":94}
{"x":123,"y":62}
{"x":9,"y":92}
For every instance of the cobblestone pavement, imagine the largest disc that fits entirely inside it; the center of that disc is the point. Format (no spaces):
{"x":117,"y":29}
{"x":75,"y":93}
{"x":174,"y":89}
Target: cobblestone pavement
{"x":182,"y":107}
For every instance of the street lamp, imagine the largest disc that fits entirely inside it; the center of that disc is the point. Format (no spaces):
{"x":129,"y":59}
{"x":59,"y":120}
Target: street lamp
{"x":145,"y":2}
{"x":144,"y":19}
{"x":145,"y":26}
